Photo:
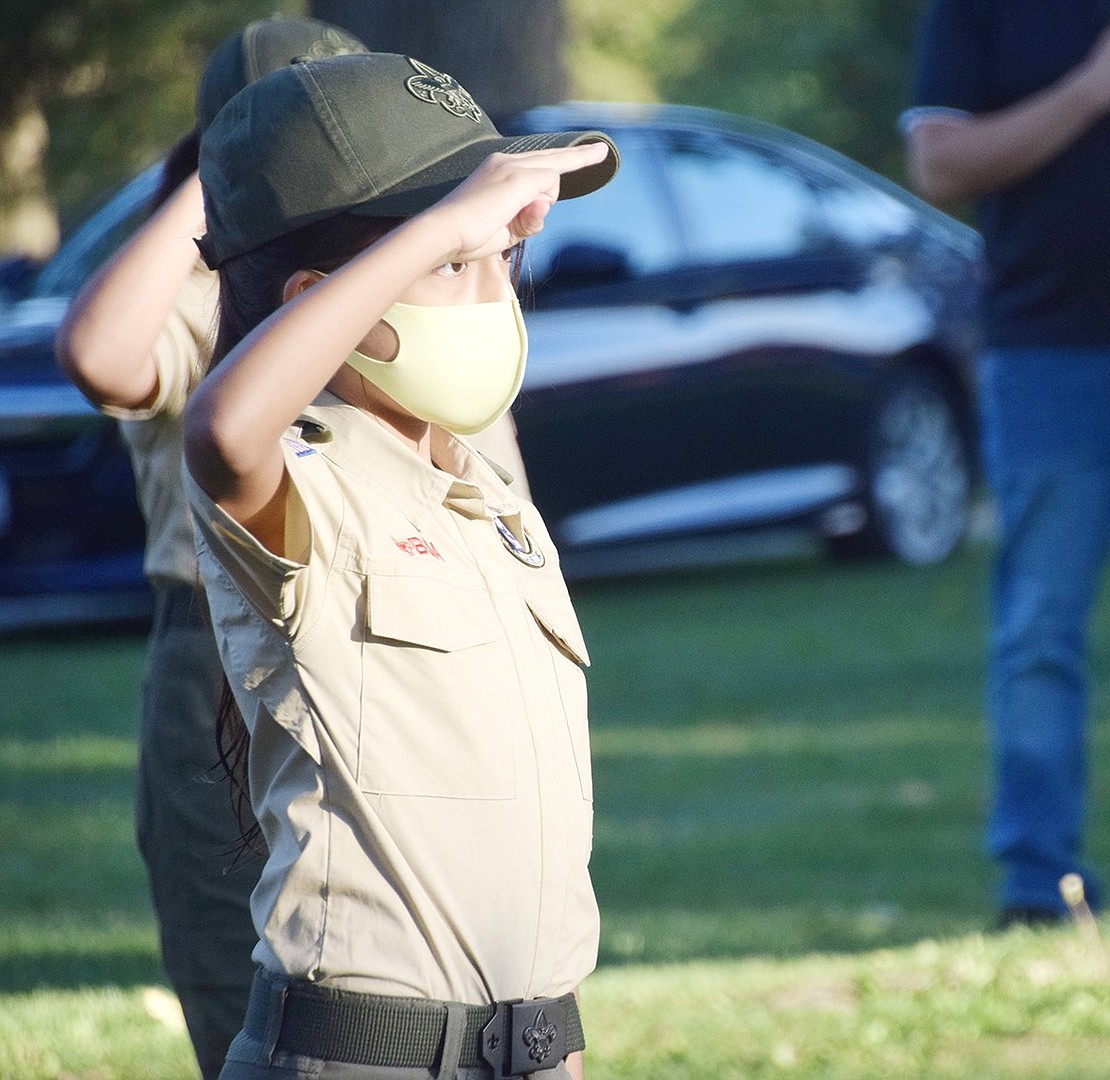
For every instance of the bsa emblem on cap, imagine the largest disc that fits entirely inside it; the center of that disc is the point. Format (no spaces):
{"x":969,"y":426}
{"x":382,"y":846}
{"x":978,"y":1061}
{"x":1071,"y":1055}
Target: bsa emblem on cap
{"x":436,"y":88}
{"x":330,"y":43}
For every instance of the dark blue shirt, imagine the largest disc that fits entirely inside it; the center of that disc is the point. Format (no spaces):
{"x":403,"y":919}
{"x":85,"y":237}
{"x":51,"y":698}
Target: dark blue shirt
{"x":1048,"y":236}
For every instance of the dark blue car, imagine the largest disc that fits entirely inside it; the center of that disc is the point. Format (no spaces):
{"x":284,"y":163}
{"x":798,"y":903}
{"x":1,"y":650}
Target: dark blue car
{"x":744,"y":330}
{"x":71,"y":535}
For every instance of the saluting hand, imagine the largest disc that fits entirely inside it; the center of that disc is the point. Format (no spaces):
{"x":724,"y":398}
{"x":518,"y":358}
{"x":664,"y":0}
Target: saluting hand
{"x":506,"y":199}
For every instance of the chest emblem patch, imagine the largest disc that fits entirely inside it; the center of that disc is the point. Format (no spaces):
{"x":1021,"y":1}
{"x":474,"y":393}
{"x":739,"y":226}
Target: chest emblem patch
{"x":416,"y":545}
{"x":528,"y":552}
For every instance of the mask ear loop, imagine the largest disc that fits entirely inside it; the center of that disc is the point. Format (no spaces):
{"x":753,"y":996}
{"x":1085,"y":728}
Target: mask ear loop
{"x":392,"y":329}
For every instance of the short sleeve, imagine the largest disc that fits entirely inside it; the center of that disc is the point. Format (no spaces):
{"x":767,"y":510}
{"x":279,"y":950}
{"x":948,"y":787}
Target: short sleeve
{"x":265,"y":579}
{"x":952,"y":57}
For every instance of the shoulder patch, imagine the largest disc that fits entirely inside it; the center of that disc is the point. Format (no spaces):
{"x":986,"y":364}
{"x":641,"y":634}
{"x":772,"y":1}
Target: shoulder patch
{"x":298,"y":446}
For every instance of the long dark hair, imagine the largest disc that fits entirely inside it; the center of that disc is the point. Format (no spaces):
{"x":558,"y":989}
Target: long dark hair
{"x":179,"y":164}
{"x":251,"y":288}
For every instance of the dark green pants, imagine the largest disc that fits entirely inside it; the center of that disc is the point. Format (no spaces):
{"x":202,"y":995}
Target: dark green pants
{"x":186,"y":829}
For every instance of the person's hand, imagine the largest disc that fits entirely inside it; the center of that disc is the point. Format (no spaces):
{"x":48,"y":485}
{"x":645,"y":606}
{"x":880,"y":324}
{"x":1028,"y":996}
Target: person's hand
{"x":506,"y":199}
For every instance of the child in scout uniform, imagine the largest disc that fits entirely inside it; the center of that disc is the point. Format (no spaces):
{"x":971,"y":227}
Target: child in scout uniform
{"x":137,"y":340}
{"x":391,"y":616}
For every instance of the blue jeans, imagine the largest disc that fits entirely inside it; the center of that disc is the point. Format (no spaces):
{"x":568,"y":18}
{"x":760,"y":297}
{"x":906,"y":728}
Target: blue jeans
{"x":1046,"y":440}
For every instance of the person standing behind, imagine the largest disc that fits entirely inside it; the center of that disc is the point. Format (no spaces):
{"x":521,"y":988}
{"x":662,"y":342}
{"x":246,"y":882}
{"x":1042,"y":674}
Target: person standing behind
{"x":1010,"y":107}
{"x":137,"y":340}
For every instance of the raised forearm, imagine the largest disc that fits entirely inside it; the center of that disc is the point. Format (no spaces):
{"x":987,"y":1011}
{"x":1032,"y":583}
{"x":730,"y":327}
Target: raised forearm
{"x":107,"y":340}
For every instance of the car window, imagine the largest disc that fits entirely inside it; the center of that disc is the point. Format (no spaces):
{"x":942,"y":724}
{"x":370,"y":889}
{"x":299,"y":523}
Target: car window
{"x":89,"y":245}
{"x":859,"y":214}
{"x":621,"y":231}
{"x":740,"y":203}
{"x":749,"y":202}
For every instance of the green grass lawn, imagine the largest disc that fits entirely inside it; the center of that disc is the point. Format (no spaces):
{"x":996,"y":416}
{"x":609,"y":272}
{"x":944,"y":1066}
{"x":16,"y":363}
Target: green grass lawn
{"x":789,"y":772}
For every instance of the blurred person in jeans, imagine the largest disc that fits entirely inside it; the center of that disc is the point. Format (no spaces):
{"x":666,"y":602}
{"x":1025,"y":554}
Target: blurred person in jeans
{"x":1010,"y":106}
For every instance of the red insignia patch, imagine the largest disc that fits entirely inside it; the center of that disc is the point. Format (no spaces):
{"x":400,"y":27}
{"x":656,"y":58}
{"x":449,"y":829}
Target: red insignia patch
{"x":417,"y":545}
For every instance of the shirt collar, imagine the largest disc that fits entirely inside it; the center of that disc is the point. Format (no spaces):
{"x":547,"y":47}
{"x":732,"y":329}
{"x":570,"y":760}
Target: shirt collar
{"x":464,"y":481}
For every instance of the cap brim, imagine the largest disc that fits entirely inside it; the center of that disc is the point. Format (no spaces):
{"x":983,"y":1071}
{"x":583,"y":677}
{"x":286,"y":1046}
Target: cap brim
{"x":422,"y":190}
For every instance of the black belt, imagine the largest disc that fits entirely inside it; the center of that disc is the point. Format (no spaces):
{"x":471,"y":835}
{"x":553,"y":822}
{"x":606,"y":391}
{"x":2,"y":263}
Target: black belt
{"x":513,"y":1038}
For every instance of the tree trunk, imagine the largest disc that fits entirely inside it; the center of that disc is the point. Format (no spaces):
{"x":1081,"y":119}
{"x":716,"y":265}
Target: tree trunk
{"x":28,"y":223}
{"x":507,"y":53}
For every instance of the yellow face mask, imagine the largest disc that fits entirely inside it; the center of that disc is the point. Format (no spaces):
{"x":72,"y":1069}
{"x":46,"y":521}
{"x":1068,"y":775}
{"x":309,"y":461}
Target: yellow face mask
{"x":460,"y":366}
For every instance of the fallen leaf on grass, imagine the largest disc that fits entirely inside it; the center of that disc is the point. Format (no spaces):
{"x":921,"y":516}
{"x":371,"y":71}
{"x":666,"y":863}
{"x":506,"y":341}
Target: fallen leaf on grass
{"x":164,"y":1008}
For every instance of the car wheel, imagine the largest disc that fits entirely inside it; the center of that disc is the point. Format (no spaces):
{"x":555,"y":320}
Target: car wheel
{"x":917,"y":475}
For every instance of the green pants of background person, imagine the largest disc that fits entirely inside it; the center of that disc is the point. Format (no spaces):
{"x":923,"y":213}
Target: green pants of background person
{"x":186,"y":829}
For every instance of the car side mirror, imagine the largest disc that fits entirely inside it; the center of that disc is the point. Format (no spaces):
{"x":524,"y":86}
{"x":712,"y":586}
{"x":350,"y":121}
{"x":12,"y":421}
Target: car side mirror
{"x":578,"y":265}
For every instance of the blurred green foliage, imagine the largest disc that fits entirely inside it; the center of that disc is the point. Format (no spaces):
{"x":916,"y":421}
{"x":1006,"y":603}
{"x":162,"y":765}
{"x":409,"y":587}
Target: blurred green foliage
{"x":835,"y":70}
{"x":116,"y":78}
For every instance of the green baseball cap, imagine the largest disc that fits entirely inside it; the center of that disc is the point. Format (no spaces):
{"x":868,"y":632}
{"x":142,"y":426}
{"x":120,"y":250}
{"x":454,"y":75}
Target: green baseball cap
{"x":379,"y":134}
{"x":261,"y":47}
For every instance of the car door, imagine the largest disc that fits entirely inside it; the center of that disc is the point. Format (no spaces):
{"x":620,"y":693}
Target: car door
{"x":73,"y":524}
{"x":706,"y":334}
{"x":603,"y":333}
{"x":664,"y":354}
{"x":774,"y":293}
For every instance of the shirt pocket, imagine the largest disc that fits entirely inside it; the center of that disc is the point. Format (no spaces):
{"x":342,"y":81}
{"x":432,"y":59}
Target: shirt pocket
{"x":435,"y":722}
{"x":552,"y":609}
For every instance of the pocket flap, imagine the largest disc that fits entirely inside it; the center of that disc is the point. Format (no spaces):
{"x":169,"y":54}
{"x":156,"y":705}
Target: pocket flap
{"x":556,"y":616}
{"x":445,"y":614}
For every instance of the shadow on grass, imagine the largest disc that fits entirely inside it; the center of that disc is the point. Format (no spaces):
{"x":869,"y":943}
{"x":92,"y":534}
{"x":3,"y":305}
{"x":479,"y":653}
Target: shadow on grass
{"x":784,"y":850}
{"x":787,"y":759}
{"x":76,"y":968}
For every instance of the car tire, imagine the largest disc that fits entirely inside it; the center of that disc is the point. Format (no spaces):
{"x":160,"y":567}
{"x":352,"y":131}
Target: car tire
{"x":917,"y":475}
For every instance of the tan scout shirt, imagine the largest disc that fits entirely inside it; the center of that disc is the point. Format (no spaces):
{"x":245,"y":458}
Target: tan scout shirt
{"x":419,"y":753}
{"x":154,"y":436}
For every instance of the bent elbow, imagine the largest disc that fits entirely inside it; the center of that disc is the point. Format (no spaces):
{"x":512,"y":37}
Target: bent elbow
{"x":939,"y":163}
{"x":97,"y":368}
{"x":78,"y":360}
{"x":229,"y":464}
{"x":212,"y":454}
